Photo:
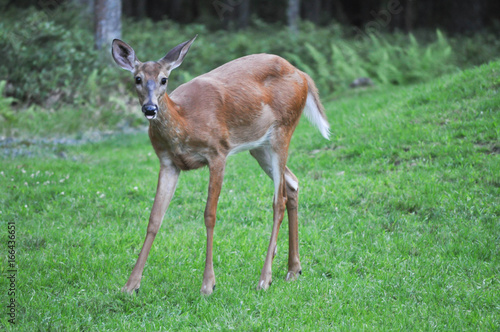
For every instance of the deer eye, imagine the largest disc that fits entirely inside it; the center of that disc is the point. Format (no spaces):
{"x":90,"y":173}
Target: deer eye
{"x":164,"y":81}
{"x":138,"y":80}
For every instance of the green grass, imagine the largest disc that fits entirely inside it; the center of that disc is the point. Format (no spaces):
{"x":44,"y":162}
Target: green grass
{"x":399,"y":225}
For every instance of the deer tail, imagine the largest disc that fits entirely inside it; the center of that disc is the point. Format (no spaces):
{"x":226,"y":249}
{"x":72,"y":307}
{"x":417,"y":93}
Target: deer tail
{"x":314,"y":110}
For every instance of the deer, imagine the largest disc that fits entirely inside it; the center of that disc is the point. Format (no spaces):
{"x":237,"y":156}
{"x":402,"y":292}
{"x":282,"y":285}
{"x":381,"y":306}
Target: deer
{"x":253,"y":104}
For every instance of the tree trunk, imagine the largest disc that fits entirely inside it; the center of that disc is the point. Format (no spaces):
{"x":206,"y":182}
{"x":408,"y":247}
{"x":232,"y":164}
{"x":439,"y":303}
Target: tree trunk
{"x":312,"y":10}
{"x":108,"y":24}
{"x":339,"y":13}
{"x":141,"y":8}
{"x":243,"y":14}
{"x":409,"y":15}
{"x":175,"y":12}
{"x":292,"y":14}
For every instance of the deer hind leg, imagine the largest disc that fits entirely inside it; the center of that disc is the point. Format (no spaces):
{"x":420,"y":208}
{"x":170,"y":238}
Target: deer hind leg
{"x":274,"y":165}
{"x":292,"y":193}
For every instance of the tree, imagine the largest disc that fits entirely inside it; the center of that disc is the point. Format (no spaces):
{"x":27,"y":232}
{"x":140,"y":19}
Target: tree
{"x":108,"y":26}
{"x":243,"y":14}
{"x":292,"y":15}
{"x":312,"y":10}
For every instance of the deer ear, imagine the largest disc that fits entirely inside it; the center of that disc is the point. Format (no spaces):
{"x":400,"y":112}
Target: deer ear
{"x":124,"y":55}
{"x":174,"y":58}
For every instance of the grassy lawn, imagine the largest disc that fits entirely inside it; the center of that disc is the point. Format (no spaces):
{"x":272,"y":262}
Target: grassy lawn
{"x":399,"y":224}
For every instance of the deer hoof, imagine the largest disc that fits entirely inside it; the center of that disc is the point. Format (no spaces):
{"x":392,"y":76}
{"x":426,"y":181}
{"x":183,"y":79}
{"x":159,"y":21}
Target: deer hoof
{"x":131,"y":287}
{"x":125,"y":289}
{"x":264,"y":284}
{"x":292,"y":275}
{"x":206,"y":290}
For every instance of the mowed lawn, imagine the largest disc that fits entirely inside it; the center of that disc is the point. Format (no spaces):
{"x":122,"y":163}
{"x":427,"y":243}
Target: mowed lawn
{"x":399,"y":225}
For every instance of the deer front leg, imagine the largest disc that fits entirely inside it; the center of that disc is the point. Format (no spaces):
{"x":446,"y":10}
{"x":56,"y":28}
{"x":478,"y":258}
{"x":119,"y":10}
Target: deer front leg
{"x":214,"y":189}
{"x":167,"y":181}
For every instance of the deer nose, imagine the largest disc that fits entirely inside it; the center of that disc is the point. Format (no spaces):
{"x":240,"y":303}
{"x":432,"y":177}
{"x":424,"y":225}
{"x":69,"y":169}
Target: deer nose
{"x":150,"y":110}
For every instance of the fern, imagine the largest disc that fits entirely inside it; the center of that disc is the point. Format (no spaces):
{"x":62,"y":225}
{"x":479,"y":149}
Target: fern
{"x":379,"y":58}
{"x":347,"y":63}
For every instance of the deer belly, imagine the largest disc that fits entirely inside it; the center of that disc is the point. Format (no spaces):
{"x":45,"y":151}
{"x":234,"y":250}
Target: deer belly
{"x":250,"y":145}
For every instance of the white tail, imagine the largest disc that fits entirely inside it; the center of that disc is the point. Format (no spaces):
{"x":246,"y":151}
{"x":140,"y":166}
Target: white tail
{"x":316,"y":116}
{"x":252,"y":103}
{"x":314,"y":110}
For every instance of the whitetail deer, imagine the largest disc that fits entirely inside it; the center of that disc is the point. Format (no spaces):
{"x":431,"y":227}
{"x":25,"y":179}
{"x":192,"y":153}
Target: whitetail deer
{"x":251,"y":103}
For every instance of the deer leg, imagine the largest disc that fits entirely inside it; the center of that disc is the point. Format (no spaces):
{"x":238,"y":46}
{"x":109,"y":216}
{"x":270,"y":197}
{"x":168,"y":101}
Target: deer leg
{"x":278,"y":213}
{"x":167,"y":181}
{"x":273,"y":164}
{"x":292,"y":193}
{"x":214,"y":189}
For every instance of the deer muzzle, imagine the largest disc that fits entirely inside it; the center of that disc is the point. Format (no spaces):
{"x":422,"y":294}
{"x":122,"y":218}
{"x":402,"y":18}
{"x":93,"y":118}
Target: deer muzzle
{"x":150,"y":111}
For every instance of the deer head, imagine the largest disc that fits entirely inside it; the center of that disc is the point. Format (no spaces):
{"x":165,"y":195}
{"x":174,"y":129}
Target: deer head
{"x":150,"y":77}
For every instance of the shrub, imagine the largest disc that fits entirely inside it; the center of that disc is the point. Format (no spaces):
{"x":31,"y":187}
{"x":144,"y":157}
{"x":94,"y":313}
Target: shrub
{"x":49,"y":62}
{"x":6,"y":111}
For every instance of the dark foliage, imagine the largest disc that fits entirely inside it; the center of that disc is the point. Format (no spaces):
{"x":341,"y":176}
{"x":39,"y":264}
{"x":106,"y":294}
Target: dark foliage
{"x":452,"y":16}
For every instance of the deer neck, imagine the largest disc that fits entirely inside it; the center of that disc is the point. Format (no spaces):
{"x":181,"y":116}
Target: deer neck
{"x":169,"y":126}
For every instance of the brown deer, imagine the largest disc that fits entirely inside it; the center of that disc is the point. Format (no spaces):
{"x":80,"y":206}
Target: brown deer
{"x":251,"y":103}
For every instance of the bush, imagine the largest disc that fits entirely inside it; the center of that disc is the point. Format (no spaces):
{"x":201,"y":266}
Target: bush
{"x":49,"y":62}
{"x":6,"y":111}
